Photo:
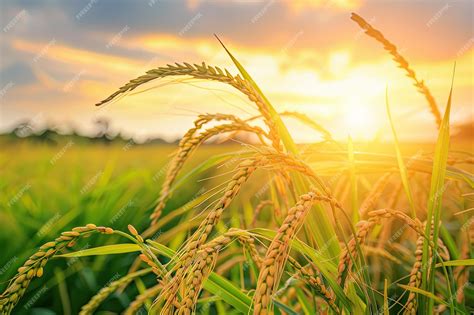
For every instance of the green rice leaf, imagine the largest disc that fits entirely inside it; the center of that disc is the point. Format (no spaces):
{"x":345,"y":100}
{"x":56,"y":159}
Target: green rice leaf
{"x":459,"y":262}
{"x":103,"y":250}
{"x":401,"y":163}
{"x":423,"y":292}
{"x":435,"y":197}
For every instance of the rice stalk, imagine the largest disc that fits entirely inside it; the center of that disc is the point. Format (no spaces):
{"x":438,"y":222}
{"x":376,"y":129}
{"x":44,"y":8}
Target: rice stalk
{"x":415,"y":278}
{"x":262,"y":204}
{"x":207,"y":73}
{"x":202,"y":267}
{"x":199,"y":237}
{"x":402,"y":63}
{"x":349,"y":254}
{"x":194,"y":243}
{"x":186,"y":147}
{"x":33,"y":267}
{"x":97,"y":299}
{"x":277,"y":253}
{"x":310,"y":275}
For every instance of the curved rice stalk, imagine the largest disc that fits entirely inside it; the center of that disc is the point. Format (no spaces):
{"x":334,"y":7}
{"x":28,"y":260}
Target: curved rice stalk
{"x":415,"y":278}
{"x":194,"y":243}
{"x":207,"y":73}
{"x":310,"y":275}
{"x":97,"y":299}
{"x":200,"y":270}
{"x":277,"y":253}
{"x":262,"y":204}
{"x":402,"y":63}
{"x":33,"y":267}
{"x":186,"y":147}
{"x":349,"y":254}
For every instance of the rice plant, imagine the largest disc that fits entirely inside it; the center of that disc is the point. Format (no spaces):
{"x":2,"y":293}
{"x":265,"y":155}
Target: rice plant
{"x":279,"y":233}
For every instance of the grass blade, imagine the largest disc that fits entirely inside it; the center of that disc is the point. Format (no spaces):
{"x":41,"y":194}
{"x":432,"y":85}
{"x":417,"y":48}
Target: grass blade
{"x":455,"y":263}
{"x":435,"y":197}
{"x":103,"y":250}
{"x":401,"y":163}
{"x":429,"y":295}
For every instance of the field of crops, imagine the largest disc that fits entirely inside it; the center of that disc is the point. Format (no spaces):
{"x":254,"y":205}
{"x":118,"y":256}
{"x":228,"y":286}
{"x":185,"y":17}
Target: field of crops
{"x":54,"y":188}
{"x":267,"y":226}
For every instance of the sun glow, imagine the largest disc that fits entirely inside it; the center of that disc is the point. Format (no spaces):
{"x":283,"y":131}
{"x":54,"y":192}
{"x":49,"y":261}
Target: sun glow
{"x":359,"y":121}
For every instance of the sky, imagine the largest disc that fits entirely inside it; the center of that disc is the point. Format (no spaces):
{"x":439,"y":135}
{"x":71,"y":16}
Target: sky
{"x":59,"y":58}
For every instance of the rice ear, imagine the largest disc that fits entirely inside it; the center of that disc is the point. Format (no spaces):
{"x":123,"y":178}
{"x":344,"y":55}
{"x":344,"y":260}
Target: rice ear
{"x":402,"y":63}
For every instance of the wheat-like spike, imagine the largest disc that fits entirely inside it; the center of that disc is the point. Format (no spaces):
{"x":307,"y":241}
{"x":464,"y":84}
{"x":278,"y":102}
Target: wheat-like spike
{"x":135,"y":306}
{"x":204,"y":264}
{"x":200,"y":236}
{"x":186,"y":147}
{"x":245,"y":169}
{"x":97,"y":299}
{"x":199,"y":273}
{"x":349,"y":254}
{"x":312,"y":277}
{"x":249,"y":243}
{"x":402,"y":63}
{"x":33,"y":267}
{"x":415,"y":278}
{"x":202,"y":267}
{"x":374,"y":195}
{"x":207,"y":73}
{"x":277,"y":253}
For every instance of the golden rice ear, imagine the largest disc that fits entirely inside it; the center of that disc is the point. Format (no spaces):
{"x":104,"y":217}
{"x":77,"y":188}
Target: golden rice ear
{"x":402,"y":63}
{"x":312,"y":277}
{"x":415,"y":277}
{"x":186,"y":147}
{"x":199,"y":237}
{"x":206,"y":72}
{"x":33,"y":267}
{"x":105,"y":292}
{"x":277,"y":254}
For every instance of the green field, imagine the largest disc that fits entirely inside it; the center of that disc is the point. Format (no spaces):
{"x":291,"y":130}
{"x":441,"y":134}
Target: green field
{"x":47,"y":189}
{"x":50,"y":188}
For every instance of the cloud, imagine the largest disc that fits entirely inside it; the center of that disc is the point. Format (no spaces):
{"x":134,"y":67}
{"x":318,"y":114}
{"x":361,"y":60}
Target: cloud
{"x":306,"y":56}
{"x":19,"y":73}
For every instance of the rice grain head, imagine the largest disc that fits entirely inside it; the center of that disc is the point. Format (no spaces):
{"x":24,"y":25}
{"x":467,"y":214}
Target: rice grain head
{"x":207,"y":73}
{"x":402,"y":63}
{"x":277,"y":254}
{"x":186,"y":148}
{"x":33,"y":267}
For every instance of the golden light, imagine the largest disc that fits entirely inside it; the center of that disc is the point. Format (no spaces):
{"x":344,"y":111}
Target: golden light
{"x":338,"y":62}
{"x":359,"y":121}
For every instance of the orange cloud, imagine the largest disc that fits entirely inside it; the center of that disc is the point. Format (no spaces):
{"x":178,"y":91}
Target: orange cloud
{"x":78,"y":57}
